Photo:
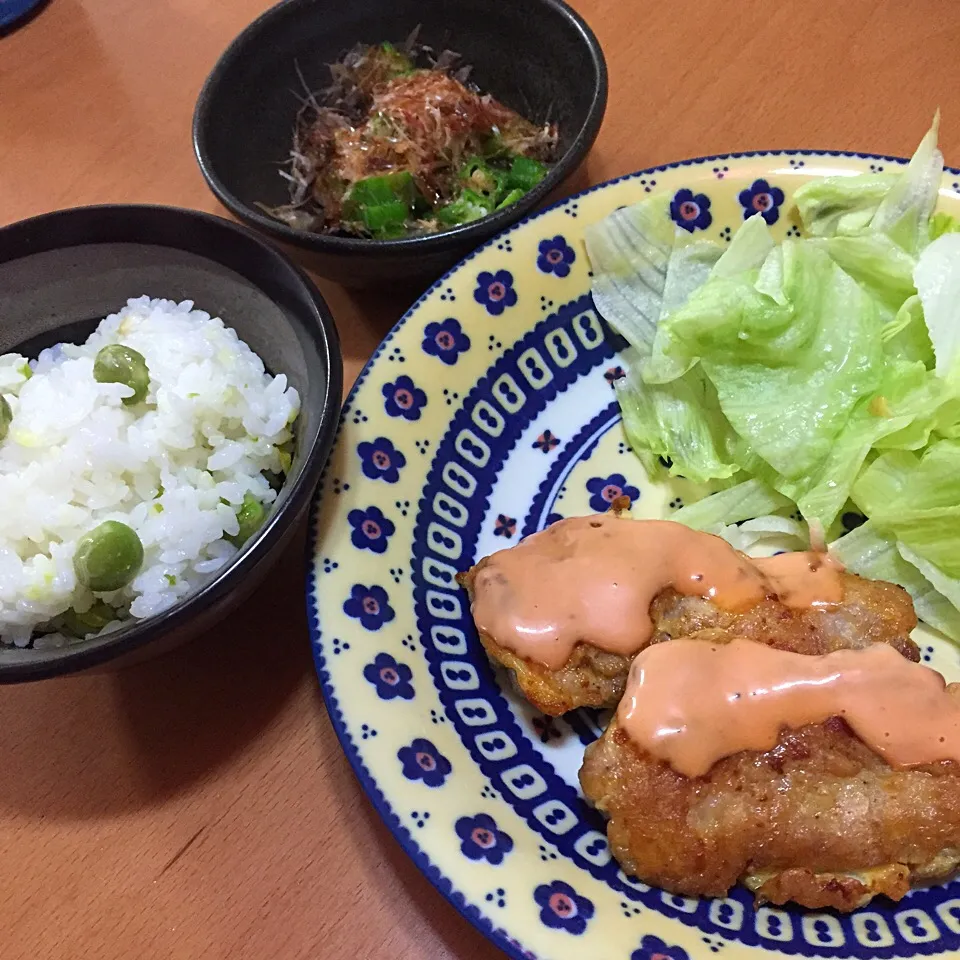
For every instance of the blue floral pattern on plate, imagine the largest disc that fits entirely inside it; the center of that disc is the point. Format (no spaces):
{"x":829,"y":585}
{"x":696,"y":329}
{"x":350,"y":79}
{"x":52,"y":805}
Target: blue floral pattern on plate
{"x":371,"y":529}
{"x":691,"y":211}
{"x":505,"y":526}
{"x":562,"y":908}
{"x":653,"y":948}
{"x":485,"y":460}
{"x":545,"y":442}
{"x":480,"y":839}
{"x":423,"y":761}
{"x":761,"y":198}
{"x":369,"y":605}
{"x":555,"y":256}
{"x":391,"y":679}
{"x":604,"y":490}
{"x":403,"y":398}
{"x":495,"y":291}
{"x":445,"y":340}
{"x":381,"y":460}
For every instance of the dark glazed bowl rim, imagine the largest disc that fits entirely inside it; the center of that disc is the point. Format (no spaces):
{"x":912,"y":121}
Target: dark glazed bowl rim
{"x":127,"y":223}
{"x":429,"y":243}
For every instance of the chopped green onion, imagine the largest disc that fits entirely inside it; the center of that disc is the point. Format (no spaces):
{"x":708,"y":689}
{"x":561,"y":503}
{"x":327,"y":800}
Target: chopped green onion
{"x":512,"y":197}
{"x":398,"y":64}
{"x":525,"y":174}
{"x":383,"y":204}
{"x":469,"y":206}
{"x":477,"y":175}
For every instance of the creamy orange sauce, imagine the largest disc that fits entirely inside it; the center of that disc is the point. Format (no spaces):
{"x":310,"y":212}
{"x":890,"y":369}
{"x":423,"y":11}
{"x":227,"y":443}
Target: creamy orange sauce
{"x":592,"y":579}
{"x":691,"y":702}
{"x":803,"y":579}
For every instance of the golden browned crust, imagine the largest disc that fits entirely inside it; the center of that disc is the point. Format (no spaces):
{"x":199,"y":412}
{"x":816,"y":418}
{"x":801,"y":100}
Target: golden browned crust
{"x":590,"y":678}
{"x":843,"y":892}
{"x":820,"y":819}
{"x":872,"y":612}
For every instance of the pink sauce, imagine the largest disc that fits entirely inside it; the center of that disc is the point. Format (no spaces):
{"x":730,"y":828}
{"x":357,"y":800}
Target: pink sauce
{"x":592,"y":580}
{"x":803,"y":579}
{"x":691,"y":702}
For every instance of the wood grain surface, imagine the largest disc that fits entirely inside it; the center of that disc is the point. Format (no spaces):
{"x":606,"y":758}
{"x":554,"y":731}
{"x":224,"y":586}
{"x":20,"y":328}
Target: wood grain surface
{"x":199,"y":805}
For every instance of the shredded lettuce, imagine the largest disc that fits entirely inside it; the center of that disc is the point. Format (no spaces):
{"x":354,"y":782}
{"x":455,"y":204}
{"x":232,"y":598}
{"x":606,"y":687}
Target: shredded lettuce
{"x":789,"y":367}
{"x":917,"y":500}
{"x":797,"y":378}
{"x":642,"y":267}
{"x":766,"y":534}
{"x":678,"y":421}
{"x":841,"y":206}
{"x":898,"y":206}
{"x":752,"y":498}
{"x":904,"y":213}
{"x":874,"y":555}
{"x":937,"y":276}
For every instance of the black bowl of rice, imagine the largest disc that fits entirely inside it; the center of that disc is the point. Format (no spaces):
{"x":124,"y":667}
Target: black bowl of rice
{"x":169,"y":391}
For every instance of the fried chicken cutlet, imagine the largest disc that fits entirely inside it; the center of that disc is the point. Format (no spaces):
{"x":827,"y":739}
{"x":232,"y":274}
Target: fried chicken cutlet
{"x":591,"y":676}
{"x":820,"y":819}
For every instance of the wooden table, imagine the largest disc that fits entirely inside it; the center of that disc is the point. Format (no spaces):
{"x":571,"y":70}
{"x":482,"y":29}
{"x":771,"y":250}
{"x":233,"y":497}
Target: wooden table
{"x":199,"y":806}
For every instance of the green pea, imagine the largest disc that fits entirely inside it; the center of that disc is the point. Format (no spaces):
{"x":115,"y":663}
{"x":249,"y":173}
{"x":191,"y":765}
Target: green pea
{"x":6,"y":415}
{"x":249,"y":516}
{"x":108,"y":557}
{"x":116,"y":363}
{"x":90,"y":621}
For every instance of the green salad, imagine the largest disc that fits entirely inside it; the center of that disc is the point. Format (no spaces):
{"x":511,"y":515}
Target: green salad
{"x":802,"y":379}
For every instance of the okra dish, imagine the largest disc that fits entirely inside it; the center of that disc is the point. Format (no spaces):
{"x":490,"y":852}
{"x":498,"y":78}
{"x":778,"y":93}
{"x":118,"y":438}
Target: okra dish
{"x":403,"y":144}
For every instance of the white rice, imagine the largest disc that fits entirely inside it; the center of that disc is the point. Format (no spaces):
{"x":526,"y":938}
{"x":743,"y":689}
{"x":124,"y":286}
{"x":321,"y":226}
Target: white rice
{"x":175,"y":468}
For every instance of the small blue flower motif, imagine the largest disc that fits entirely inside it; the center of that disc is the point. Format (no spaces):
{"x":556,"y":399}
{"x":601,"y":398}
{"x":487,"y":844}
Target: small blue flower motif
{"x":368,"y":605}
{"x":391,"y":679}
{"x":495,"y":291}
{"x":604,"y":490}
{"x":445,"y":340}
{"x":545,"y":442}
{"x":689,"y":211}
{"x":653,"y":948}
{"x":613,"y":374}
{"x":371,"y":529}
{"x":761,"y":198}
{"x":481,"y":840}
{"x":555,"y":257}
{"x":505,"y":526}
{"x":403,"y":398}
{"x":562,"y":908}
{"x":381,"y":460}
{"x":422,"y":761}
{"x":552,"y":518}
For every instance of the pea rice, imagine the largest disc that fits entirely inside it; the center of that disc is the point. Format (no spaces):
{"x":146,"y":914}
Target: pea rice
{"x":176,"y":468}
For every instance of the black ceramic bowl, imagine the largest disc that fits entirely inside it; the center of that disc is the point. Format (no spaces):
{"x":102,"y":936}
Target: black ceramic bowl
{"x":537,"y":56}
{"x":61,"y":273}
